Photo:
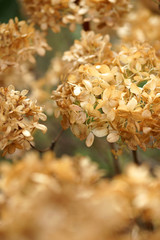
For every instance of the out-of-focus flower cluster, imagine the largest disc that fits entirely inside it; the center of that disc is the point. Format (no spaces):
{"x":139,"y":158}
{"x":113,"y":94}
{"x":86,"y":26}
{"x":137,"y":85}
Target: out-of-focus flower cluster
{"x":142,"y":25}
{"x":18,"y":43}
{"x":19,"y":117}
{"x":120,"y":99}
{"x":58,"y":13}
{"x":22,"y":76}
{"x":67,"y":199}
{"x":41,"y":88}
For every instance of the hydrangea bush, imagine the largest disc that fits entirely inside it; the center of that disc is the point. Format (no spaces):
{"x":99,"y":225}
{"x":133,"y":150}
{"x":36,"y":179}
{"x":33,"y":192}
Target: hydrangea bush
{"x":107,"y":85}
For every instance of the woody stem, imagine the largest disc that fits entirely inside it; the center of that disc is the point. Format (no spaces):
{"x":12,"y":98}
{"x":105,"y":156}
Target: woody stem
{"x":86,"y":26}
{"x":135,"y":157}
{"x":51,"y":147}
{"x":116,"y":164}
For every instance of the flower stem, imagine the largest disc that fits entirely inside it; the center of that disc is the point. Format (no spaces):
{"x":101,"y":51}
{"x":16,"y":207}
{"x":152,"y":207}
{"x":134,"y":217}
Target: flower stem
{"x":135,"y":157}
{"x":86,"y":26}
{"x":116,"y":164}
{"x":51,"y":147}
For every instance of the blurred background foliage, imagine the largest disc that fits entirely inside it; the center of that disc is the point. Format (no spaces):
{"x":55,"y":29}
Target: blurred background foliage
{"x":68,"y":143}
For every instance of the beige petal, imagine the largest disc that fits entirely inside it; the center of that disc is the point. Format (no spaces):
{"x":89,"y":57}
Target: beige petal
{"x":132,"y":104}
{"x":75,"y":129}
{"x":103,"y":68}
{"x":90,"y":140}
{"x":87,"y":84}
{"x":41,"y":127}
{"x":108,"y":76}
{"x":111,"y":115}
{"x":26,"y":133}
{"x":75,"y":108}
{"x":42,"y":116}
{"x":24,"y":92}
{"x":146,"y":114}
{"x":146,"y":130}
{"x":151,"y":85}
{"x":77,"y":91}
{"x":93,"y":72}
{"x":138,"y":66}
{"x":97,"y":91}
{"x":106,"y":109}
{"x":134,"y":89}
{"x":113,"y":137}
{"x":106,"y":93}
{"x":100,"y":132}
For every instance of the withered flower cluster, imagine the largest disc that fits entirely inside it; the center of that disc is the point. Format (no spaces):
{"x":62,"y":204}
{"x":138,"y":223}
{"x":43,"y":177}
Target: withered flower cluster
{"x":18,"y":43}
{"x":91,"y":48}
{"x":117,"y":100}
{"x":19,"y":117}
{"x":67,"y":199}
{"x":58,"y":13}
{"x":141,"y":25}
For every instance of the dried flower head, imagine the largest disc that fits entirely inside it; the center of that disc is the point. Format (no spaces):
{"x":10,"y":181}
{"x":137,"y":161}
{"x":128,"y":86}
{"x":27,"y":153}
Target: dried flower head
{"x":55,"y":14}
{"x":117,"y":100}
{"x":66,"y":199}
{"x":91,"y":48}
{"x":18,"y":43}
{"x":141,"y":25}
{"x":18,"y":119}
{"x":107,"y":13}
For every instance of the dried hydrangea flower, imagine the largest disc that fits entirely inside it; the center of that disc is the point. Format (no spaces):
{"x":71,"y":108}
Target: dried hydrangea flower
{"x":91,"y":48}
{"x":107,"y":13}
{"x":69,"y":192}
{"x":18,"y":43}
{"x":117,"y":100}
{"x":141,"y":25}
{"x":19,"y":117}
{"x":55,"y":14}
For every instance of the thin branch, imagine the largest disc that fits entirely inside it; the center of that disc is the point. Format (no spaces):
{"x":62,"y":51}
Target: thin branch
{"x":86,"y":26}
{"x":156,"y":1}
{"x":135,"y":158}
{"x":52,"y":146}
{"x":116,"y":164}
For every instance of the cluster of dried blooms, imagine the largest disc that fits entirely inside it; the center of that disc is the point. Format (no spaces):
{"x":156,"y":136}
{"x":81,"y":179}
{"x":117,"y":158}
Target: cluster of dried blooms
{"x":91,"y":48}
{"x":19,"y":117}
{"x":120,"y":99}
{"x":67,"y":199}
{"x":18,"y":43}
{"x":103,"y":93}
{"x":55,"y":14}
{"x":142,"y":25}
